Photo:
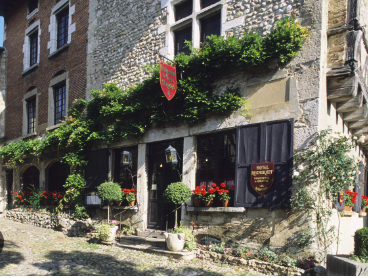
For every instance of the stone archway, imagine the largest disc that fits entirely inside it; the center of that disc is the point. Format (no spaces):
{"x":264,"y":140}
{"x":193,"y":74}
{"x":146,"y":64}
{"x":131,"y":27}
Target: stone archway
{"x":31,"y":176}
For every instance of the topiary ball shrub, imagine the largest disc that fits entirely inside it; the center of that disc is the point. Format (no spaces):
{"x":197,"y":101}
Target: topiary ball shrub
{"x":177,"y":193}
{"x":109,"y":191}
{"x":361,"y":242}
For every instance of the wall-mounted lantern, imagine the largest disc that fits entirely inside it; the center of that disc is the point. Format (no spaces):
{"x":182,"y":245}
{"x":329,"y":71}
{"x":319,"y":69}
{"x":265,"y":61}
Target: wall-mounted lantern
{"x":171,"y":156}
{"x":126,"y":159}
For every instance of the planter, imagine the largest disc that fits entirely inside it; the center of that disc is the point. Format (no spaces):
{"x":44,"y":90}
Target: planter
{"x":364,"y":210}
{"x":131,"y":204}
{"x":112,"y":235}
{"x":348,"y":208}
{"x":208,"y":203}
{"x":225,"y":203}
{"x":197,"y":202}
{"x":119,"y":203}
{"x":111,"y":204}
{"x":174,"y":242}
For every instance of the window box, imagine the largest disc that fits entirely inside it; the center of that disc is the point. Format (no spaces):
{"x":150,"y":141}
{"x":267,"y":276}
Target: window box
{"x":218,"y":209}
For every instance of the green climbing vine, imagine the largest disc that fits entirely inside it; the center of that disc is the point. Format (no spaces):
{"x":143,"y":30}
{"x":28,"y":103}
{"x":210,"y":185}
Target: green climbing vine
{"x":321,"y":173}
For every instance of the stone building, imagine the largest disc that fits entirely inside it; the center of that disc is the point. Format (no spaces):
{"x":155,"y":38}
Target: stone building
{"x":325,"y":85}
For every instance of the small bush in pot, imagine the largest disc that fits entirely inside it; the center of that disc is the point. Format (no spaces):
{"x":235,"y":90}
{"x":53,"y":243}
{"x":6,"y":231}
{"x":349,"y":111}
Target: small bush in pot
{"x":109,"y":191}
{"x":107,"y":232}
{"x":177,"y":193}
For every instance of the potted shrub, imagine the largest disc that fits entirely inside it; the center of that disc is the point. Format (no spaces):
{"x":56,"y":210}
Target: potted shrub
{"x":176,"y":194}
{"x":129,"y":230}
{"x":350,"y":200}
{"x":223,"y":195}
{"x":364,"y":203}
{"x":180,"y":238}
{"x":197,"y":194}
{"x":129,"y":195}
{"x":107,"y":232}
{"x":109,"y":191}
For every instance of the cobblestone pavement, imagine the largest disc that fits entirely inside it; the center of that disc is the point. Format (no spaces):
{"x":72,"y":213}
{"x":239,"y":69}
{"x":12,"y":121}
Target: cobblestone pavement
{"x":31,"y":250}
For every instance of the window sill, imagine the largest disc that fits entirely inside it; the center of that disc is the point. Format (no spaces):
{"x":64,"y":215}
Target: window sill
{"x":135,"y":208}
{"x":59,"y":50}
{"x":219,"y":209}
{"x":345,"y":213}
{"x":30,"y":69}
{"x":29,"y":135}
{"x":362,"y":214}
{"x":32,"y":14}
{"x":53,"y":127}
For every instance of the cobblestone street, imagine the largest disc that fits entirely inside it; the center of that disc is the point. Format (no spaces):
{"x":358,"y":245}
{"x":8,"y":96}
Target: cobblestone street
{"x":31,"y":250}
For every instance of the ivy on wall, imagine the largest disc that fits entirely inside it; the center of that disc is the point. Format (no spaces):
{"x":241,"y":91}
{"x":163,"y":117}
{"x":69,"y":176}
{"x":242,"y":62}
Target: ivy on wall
{"x":113,"y":114}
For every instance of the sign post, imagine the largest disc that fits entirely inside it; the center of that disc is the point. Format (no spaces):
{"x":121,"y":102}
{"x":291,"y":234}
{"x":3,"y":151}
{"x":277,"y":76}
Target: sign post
{"x":262,"y":176}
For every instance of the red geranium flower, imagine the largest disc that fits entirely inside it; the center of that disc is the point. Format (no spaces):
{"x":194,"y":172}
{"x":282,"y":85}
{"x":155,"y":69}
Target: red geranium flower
{"x":223,"y":185}
{"x":15,"y":193}
{"x":214,"y":185}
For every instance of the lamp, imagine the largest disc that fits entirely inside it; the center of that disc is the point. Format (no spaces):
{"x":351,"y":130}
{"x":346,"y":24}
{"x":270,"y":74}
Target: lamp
{"x":126,"y":159}
{"x":171,"y":156}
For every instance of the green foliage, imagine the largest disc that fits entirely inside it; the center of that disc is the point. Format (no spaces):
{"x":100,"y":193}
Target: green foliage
{"x":177,"y":193}
{"x":321,"y":173}
{"x":35,"y":198}
{"x":305,"y":237}
{"x":128,"y":230}
{"x":189,"y":238}
{"x":109,"y":191}
{"x":104,"y":232}
{"x":361,"y":259}
{"x":80,"y":212}
{"x":361,"y":242}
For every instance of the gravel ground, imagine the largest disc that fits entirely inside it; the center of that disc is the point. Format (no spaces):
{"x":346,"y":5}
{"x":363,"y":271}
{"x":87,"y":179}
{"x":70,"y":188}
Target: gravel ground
{"x":31,"y":250}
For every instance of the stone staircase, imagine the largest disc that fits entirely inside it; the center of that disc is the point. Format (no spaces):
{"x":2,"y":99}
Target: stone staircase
{"x":151,"y":241}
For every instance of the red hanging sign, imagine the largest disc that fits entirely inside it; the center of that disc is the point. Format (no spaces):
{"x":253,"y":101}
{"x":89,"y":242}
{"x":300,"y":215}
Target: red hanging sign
{"x":168,"y":80}
{"x":262,"y":176}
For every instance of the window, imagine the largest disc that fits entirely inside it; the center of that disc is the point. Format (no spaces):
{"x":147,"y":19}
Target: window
{"x":31,"y":115}
{"x":33,"y":41}
{"x":206,"y":3}
{"x":59,"y":101}
{"x":62,"y":27}
{"x":183,"y":10}
{"x":180,"y":38}
{"x":31,"y":176}
{"x":32,"y":5}
{"x":210,"y":26}
{"x":122,"y":176}
{"x":57,"y":175}
{"x":216,"y":159}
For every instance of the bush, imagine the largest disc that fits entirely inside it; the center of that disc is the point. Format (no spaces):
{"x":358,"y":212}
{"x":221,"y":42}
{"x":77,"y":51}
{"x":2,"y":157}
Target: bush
{"x":189,"y":238}
{"x":104,"y":232}
{"x":177,"y":193}
{"x":361,"y":242}
{"x":109,"y":191}
{"x":35,"y":198}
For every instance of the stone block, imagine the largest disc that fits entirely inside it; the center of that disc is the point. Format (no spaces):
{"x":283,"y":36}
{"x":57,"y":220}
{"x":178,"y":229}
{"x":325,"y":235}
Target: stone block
{"x":340,"y":265}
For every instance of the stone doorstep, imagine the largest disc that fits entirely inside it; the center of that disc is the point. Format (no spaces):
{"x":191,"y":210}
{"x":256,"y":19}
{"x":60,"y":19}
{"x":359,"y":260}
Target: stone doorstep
{"x":151,"y":233}
{"x":137,"y":240}
{"x":185,"y":255}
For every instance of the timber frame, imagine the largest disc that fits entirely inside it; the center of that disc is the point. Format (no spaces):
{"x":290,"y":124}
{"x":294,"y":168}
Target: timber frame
{"x":345,"y":83}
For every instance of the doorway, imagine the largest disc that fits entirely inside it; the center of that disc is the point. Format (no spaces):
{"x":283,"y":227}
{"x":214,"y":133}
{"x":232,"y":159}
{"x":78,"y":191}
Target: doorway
{"x":9,"y":187}
{"x":160,"y":215}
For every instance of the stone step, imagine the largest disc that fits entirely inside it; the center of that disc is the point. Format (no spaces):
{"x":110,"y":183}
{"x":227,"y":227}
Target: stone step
{"x":185,"y":255}
{"x":139,"y":240}
{"x":151,"y":233}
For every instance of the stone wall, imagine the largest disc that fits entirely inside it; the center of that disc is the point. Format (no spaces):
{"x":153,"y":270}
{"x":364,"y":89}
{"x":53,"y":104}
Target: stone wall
{"x":67,"y":226}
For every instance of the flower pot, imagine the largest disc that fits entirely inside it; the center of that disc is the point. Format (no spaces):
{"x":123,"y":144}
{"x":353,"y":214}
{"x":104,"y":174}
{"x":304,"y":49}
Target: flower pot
{"x":119,"y":203}
{"x":112,"y":235}
{"x":225,"y":203}
{"x":174,"y":242}
{"x":111,"y":204}
{"x":197,"y":202}
{"x":348,"y":208}
{"x":45,"y":202}
{"x":131,"y":204}
{"x":208,"y":203}
{"x":364,"y":210}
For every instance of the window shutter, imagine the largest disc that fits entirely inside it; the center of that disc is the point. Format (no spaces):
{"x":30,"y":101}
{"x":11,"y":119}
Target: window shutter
{"x":97,"y":169}
{"x":264,"y":142}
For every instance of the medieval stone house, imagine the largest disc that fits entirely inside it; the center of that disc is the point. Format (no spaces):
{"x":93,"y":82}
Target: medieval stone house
{"x":57,"y":51}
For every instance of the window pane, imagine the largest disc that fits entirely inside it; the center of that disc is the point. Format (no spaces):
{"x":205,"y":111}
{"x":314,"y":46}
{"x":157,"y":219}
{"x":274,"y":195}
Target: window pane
{"x":32,"y":5}
{"x":210,"y":26}
{"x":33,"y":48}
{"x":59,"y":97}
{"x":31,"y":114}
{"x":62,"y":28}
{"x":206,"y":3}
{"x":180,"y":38}
{"x":183,"y":10}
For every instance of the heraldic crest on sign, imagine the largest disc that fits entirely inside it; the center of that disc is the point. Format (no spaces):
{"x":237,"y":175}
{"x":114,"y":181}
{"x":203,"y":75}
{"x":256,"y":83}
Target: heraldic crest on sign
{"x":168,"y":80}
{"x":262,"y":176}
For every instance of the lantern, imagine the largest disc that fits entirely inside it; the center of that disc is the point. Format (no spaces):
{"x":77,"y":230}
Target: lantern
{"x":126,"y":159}
{"x":171,"y":156}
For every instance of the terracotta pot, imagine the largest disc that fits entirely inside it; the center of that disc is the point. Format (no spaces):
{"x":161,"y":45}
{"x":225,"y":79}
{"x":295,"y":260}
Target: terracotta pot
{"x":348,"y":208}
{"x":131,"y":204}
{"x":208,"y":203}
{"x":111,"y":204}
{"x":197,"y":202}
{"x":364,"y":210}
{"x":225,"y":203}
{"x":45,"y":202}
{"x":119,"y":203}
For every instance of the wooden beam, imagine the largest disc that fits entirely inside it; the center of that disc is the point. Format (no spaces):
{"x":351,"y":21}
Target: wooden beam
{"x":353,"y":39}
{"x":342,"y":88}
{"x":359,"y":114}
{"x":339,"y":71}
{"x":358,"y":124}
{"x":350,"y":105}
{"x":361,"y":131}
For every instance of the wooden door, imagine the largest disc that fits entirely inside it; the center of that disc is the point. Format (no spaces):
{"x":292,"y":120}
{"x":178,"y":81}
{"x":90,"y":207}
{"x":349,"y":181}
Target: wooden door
{"x":160,"y":176}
